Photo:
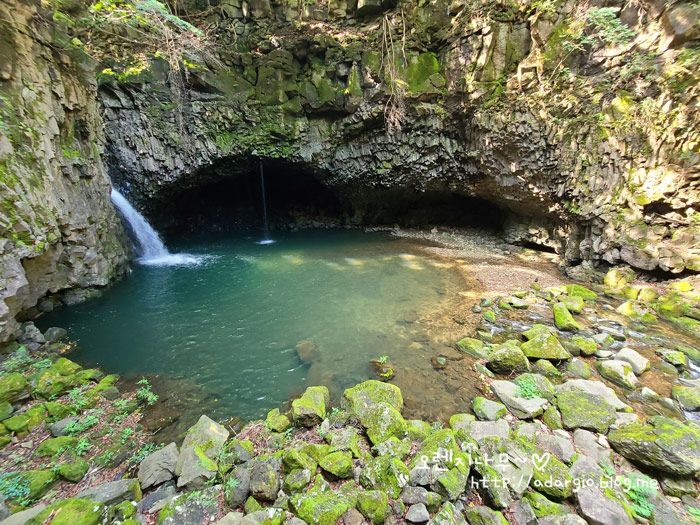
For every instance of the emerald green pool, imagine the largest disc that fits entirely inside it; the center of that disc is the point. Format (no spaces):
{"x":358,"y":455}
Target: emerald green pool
{"x":228,"y":326}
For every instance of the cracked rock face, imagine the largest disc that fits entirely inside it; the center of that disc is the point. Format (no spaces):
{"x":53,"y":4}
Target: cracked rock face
{"x":320,"y":101}
{"x":58,"y":230}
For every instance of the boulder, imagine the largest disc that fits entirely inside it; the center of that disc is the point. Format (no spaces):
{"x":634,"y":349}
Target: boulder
{"x":523,"y":408}
{"x":448,"y":515}
{"x":158,"y":467}
{"x":545,"y":345}
{"x":265,"y":478}
{"x":598,"y":509}
{"x":200,"y":449}
{"x":581,"y":409}
{"x":307,"y":351}
{"x":551,"y":477}
{"x":487,"y":410}
{"x":563,"y":318}
{"x":473,"y":347}
{"x":310,"y":409}
{"x":417,"y":513}
{"x":113,"y":492}
{"x":507,"y":359}
{"x":662,"y":444}
{"x":596,"y":388}
{"x":484,"y":429}
{"x":618,"y":372}
{"x":12,"y":386}
{"x":359,"y":398}
{"x":481,"y":515}
{"x":338,"y":464}
{"x":237,"y":487}
{"x":687,"y":396}
{"x":639,"y":363}
{"x":70,"y":511}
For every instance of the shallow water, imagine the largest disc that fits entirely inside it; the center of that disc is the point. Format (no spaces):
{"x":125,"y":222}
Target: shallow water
{"x":229,"y":324}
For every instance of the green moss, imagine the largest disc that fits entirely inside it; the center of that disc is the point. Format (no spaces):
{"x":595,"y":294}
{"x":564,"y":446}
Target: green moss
{"x":563,"y":318}
{"x":70,"y":512}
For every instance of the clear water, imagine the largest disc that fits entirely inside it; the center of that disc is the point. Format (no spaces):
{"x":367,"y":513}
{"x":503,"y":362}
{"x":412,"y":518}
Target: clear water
{"x":229,"y":325}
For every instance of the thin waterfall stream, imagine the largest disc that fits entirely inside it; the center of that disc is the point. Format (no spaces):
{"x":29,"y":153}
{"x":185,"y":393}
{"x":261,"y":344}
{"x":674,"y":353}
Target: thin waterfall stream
{"x":266,"y":227}
{"x":149,"y":246}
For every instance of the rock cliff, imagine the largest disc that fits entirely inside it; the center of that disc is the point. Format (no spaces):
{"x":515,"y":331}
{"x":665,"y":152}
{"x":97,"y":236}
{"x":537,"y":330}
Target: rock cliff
{"x":58,"y":230}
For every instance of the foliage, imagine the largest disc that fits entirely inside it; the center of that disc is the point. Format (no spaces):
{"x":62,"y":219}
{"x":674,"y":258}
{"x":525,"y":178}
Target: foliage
{"x":82,"y":446}
{"x":639,"y":489}
{"x":14,"y":487}
{"x":145,"y":394}
{"x":125,"y":435}
{"x":81,"y":425}
{"x":609,"y":29}
{"x":78,"y":398}
{"x":527,"y":387}
{"x":145,"y":450}
{"x":19,"y":360}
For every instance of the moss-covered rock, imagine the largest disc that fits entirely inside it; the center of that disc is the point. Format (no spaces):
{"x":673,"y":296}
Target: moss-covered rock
{"x":337,"y":463}
{"x":618,"y":372}
{"x":687,"y":396}
{"x":551,"y":477}
{"x":54,"y":446}
{"x":584,"y":345}
{"x":12,"y":386}
{"x":488,"y":410}
{"x":451,"y":484}
{"x":552,"y":418}
{"x":320,"y":507}
{"x":662,"y":444}
{"x":70,"y":511}
{"x":545,"y":345}
{"x":563,"y":318}
{"x":296,"y":458}
{"x":473,"y":347}
{"x":581,"y":409}
{"x":542,"y":506}
{"x":310,"y":409}
{"x":576,"y":290}
{"x":374,"y":505}
{"x":367,"y":394}
{"x":73,"y":471}
{"x":481,"y":515}
{"x":296,"y":480}
{"x":385,"y":473}
{"x":507,"y":359}
{"x":276,"y":421}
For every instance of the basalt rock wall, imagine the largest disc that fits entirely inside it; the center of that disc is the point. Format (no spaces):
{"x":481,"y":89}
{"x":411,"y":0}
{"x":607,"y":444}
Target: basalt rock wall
{"x":590,"y":145}
{"x":58,"y":231}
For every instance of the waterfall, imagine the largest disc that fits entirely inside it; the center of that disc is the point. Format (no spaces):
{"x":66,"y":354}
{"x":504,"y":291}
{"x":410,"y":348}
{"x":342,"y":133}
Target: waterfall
{"x":148,"y":243}
{"x":266,"y":229}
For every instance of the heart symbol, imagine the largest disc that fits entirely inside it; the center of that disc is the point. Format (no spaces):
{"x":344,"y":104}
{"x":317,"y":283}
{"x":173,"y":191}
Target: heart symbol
{"x":541,"y":461}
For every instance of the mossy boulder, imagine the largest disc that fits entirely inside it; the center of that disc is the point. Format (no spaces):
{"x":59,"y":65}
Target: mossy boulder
{"x":18,"y":424}
{"x":297,"y":458}
{"x":35,"y":484}
{"x":451,"y":484}
{"x":359,"y":398}
{"x":674,"y":357}
{"x":551,"y":477}
{"x":459,"y":422}
{"x":417,"y":429}
{"x":448,"y":515}
{"x":581,"y":409}
{"x":563,"y":318}
{"x":618,"y":372}
{"x":576,"y":290}
{"x":545,"y":368}
{"x":661,"y":443}
{"x":385,"y":473}
{"x":73,"y":471}
{"x":296,"y":480}
{"x":54,"y":446}
{"x":276,"y":421}
{"x":71,"y":511}
{"x":687,"y":396}
{"x":5,"y":410}
{"x":582,"y":345}
{"x":473,"y":347}
{"x":320,"y":507}
{"x":574,"y":304}
{"x":310,"y":409}
{"x":482,"y":515}
{"x":374,"y":505}
{"x":337,"y":463}
{"x":12,"y":386}
{"x":578,"y":368}
{"x":545,"y":345}
{"x":200,"y":449}
{"x":507,"y":359}
{"x":552,"y":418}
{"x":543,"y":506}
{"x":488,"y":410}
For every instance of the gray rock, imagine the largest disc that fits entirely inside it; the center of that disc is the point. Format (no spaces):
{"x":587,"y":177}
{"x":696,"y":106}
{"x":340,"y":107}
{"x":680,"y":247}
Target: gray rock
{"x":417,"y":513}
{"x":484,"y":516}
{"x":562,"y":519}
{"x":558,"y":445}
{"x":638,"y":362}
{"x":587,"y":443}
{"x":268,"y":515}
{"x":158,"y":467}
{"x":22,"y":517}
{"x":487,"y":410}
{"x":520,"y":513}
{"x":353,"y":517}
{"x":192,"y":508}
{"x":483,"y":429}
{"x":112,"y":492}
{"x":54,"y":334}
{"x":598,"y":509}
{"x":520,"y":407}
{"x":624,"y":418}
{"x":618,"y":372}
{"x":596,"y":388}
{"x":235,"y":493}
{"x":265,"y":478}
{"x":448,"y":515}
{"x":207,"y":437}
{"x":232,"y":518}
{"x":4,"y":509}
{"x":59,"y":427}
{"x":165,"y":492}
{"x":586,"y":468}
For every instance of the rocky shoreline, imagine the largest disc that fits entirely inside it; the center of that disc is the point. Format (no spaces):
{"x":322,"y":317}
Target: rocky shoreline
{"x":568,"y":430}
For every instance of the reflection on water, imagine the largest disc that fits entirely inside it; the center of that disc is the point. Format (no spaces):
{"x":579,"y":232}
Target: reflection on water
{"x":230,"y":325}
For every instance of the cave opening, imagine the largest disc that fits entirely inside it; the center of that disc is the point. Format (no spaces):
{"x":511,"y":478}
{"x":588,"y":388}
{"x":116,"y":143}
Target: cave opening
{"x":228,"y":197}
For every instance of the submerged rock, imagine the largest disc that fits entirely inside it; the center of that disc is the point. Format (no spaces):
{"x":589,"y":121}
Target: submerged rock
{"x":307,"y":352}
{"x":661,"y":443}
